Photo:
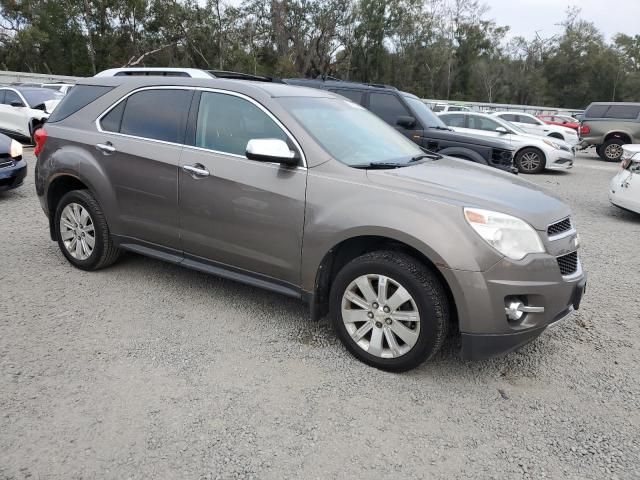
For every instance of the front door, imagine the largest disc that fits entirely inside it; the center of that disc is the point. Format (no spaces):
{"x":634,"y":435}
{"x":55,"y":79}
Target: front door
{"x":139,"y":148}
{"x":236,"y":212}
{"x":14,"y":118}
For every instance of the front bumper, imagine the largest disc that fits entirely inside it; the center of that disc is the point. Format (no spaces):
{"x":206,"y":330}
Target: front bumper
{"x":480,"y":301}
{"x":12,"y":176}
{"x":560,"y":160}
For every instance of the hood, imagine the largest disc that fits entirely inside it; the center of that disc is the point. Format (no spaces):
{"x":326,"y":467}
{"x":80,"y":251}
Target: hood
{"x":468,"y":184}
{"x":531,"y":136}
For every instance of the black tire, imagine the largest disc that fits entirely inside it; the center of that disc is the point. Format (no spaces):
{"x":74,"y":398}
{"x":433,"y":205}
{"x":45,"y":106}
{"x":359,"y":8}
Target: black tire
{"x":611,"y":150}
{"x":524,"y":158}
{"x":104,"y":252}
{"x":599,"y":151}
{"x":426,"y":291}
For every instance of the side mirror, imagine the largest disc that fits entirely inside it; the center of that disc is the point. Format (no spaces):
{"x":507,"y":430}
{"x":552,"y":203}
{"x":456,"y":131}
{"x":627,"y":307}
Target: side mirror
{"x":17,"y":104}
{"x":271,"y":150}
{"x":406,"y":122}
{"x":502,"y":130}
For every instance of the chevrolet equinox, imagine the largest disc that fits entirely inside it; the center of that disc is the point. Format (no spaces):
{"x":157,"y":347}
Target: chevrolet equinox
{"x":304,"y":193}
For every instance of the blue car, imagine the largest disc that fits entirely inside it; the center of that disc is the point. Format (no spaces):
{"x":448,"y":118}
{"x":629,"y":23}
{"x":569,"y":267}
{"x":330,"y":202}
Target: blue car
{"x":13,"y":168}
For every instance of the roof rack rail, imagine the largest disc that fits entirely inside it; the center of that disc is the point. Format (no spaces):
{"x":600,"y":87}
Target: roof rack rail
{"x":242,"y":76}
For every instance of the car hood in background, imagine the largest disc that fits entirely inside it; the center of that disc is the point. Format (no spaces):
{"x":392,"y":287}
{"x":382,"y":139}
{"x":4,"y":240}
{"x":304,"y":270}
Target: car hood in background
{"x":468,"y":184}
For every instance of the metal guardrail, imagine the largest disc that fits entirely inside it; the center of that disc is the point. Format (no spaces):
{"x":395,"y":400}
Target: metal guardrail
{"x":7,"y":77}
{"x":494,"y":107}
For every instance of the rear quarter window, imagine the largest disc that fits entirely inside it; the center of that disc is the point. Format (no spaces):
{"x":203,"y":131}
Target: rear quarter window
{"x":78,"y":97}
{"x":625,"y":112}
{"x":596,"y":111}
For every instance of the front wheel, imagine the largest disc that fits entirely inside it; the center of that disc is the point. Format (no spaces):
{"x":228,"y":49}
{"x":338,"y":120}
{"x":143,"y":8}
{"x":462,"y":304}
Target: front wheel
{"x":530,"y":160}
{"x":612,"y":150}
{"x":82,"y":232}
{"x":389,"y":310}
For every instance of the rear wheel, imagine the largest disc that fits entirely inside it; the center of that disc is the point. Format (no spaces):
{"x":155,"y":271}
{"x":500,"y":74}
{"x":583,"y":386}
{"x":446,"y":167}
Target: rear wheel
{"x":612,"y":150}
{"x":389,"y":310}
{"x":82,"y":232}
{"x":530,"y":160}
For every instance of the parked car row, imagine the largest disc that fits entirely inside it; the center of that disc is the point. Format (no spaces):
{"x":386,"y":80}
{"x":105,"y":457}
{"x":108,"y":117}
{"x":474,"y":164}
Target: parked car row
{"x":25,"y":109}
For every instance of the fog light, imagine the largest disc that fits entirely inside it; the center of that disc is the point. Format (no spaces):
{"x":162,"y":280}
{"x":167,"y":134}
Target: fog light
{"x":515,"y":308}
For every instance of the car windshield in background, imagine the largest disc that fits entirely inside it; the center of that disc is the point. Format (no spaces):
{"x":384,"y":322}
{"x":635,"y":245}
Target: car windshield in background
{"x":350,"y":133}
{"x":37,"y":96}
{"x":509,"y":126}
{"x":424,"y":114}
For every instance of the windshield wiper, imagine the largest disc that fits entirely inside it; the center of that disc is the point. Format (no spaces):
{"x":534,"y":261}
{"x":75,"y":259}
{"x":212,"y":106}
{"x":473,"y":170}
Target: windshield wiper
{"x":422,"y":156}
{"x":379,"y":165}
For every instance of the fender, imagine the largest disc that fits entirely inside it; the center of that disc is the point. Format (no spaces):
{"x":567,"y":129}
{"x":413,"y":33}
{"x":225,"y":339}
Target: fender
{"x":618,"y":133}
{"x":464,"y":152}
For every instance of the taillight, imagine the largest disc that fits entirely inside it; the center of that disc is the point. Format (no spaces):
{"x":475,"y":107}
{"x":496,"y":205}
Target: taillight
{"x":584,"y":130}
{"x":40,"y":137}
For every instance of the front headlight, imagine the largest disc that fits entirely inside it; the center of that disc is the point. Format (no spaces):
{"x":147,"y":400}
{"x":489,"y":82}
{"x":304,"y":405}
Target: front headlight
{"x":15,"y":150}
{"x":552,"y":144}
{"x":512,"y":237}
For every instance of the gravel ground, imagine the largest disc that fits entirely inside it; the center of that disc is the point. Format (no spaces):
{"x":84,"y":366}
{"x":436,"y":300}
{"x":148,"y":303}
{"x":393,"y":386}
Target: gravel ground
{"x":148,"y":370}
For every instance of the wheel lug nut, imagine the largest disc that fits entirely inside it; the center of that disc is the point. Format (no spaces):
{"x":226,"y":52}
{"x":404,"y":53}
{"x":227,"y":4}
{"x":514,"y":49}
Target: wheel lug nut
{"x":370,"y":314}
{"x":379,"y":324}
{"x":375,"y":305}
{"x":388,"y":321}
{"x":386,"y":309}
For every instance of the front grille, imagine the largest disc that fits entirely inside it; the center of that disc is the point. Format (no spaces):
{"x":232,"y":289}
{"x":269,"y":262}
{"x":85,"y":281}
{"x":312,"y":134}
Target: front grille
{"x":502,"y":157}
{"x":559,"y":227}
{"x":4,"y":162}
{"x":568,"y":263}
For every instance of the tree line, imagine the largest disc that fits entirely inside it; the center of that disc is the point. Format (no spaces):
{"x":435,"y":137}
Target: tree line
{"x":444,"y":49}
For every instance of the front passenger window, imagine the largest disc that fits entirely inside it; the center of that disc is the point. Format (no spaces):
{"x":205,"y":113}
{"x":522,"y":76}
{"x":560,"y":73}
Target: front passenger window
{"x":226,"y":123}
{"x":12,"y":97}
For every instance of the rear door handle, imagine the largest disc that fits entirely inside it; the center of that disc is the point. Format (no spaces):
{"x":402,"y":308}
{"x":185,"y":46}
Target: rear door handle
{"x":106,"y":148}
{"x":197,"y":170}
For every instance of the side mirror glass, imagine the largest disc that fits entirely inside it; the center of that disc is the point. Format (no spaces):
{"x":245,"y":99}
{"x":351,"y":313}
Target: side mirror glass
{"x":271,"y":150}
{"x":406,"y":122}
{"x":502,"y":130}
{"x":17,"y":104}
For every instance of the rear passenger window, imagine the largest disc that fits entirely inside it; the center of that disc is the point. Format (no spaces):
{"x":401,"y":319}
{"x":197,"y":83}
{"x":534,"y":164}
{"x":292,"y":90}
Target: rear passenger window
{"x":509,"y":117}
{"x":354,"y":95}
{"x":453,"y":120}
{"x":626,"y":112}
{"x":226,"y":123}
{"x":527,"y":120}
{"x":596,"y":111}
{"x":388,"y":107}
{"x":78,"y":97}
{"x":154,"y":114}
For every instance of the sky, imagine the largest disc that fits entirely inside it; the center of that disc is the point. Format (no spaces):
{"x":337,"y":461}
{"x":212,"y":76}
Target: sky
{"x":524,"y":17}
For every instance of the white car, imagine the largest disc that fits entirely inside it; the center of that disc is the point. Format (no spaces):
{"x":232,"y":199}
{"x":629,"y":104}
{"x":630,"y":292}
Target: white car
{"x":533,"y":125}
{"x":24,"y":109}
{"x":624,"y":191}
{"x":445,"y":107}
{"x":533,"y":153}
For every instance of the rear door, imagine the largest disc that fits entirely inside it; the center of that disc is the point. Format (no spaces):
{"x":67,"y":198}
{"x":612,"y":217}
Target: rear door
{"x":141,"y":139}
{"x":239,"y":212}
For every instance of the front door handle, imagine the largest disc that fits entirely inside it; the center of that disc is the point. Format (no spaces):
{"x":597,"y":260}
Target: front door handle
{"x":106,"y":148}
{"x":197,"y":170}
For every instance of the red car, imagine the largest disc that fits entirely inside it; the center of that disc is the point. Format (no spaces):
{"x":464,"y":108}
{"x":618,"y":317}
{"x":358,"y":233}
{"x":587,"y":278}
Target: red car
{"x":562,"y":120}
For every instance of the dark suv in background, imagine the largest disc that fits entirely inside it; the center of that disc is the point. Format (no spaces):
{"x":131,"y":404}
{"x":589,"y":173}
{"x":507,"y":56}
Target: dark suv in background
{"x":413,"y":118}
{"x":609,"y":125}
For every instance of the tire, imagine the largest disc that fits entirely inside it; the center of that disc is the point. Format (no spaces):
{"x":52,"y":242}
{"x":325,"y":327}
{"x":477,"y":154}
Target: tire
{"x":103,"y":253}
{"x":405,"y":276}
{"x":612,"y":150}
{"x":526,"y":160}
{"x":599,"y":151}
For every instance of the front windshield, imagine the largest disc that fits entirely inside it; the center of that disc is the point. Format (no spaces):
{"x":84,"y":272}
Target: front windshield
{"x":424,"y":113}
{"x":350,"y":133}
{"x":37,"y":96}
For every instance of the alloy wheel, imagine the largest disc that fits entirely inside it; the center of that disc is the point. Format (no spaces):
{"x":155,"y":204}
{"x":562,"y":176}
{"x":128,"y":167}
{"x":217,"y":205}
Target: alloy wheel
{"x":530,"y":161}
{"x":381,"y":316}
{"x":613,"y":151}
{"x":77,"y":231}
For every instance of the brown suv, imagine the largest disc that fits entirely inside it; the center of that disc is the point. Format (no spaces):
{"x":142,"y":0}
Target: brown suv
{"x":607,"y":126}
{"x":305,"y":193}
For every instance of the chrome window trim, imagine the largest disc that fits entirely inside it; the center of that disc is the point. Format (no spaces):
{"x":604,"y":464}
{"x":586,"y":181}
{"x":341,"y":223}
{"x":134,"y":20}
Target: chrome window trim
{"x":201,"y":89}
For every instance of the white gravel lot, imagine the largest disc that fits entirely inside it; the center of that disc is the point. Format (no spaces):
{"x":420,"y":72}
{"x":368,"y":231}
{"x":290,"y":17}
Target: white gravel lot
{"x":147,"y":370}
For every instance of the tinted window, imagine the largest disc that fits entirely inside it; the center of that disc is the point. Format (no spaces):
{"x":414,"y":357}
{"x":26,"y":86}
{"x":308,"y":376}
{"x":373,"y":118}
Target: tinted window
{"x":78,"y":97}
{"x":354,"y":95}
{"x":37,"y":96}
{"x":226,"y":124}
{"x":509,"y":117}
{"x":438,"y":108}
{"x":527,"y":120}
{"x":596,"y":111}
{"x":627,"y":112}
{"x":387,"y":107}
{"x":157,"y":114}
{"x":482,"y":123}
{"x":423,"y":113}
{"x":453,"y":120}
{"x":111,"y":121}
{"x":11,"y":97}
